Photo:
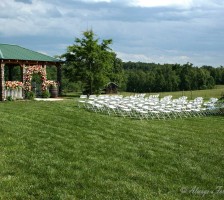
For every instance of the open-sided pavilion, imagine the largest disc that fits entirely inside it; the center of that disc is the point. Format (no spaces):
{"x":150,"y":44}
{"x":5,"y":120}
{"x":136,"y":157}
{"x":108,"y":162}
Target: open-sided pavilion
{"x":14,"y":55}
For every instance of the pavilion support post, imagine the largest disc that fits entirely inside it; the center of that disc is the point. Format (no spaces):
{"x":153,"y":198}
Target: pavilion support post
{"x":23,"y":77}
{"x":2,"y":82}
{"x":59,"y":79}
{"x":45,"y":68}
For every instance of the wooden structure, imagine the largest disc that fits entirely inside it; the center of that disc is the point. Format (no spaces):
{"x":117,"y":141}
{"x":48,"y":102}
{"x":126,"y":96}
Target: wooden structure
{"x":111,"y":88}
{"x":14,"y":55}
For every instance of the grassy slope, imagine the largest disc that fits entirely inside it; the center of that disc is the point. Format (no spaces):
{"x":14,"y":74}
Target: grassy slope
{"x":53,"y":150}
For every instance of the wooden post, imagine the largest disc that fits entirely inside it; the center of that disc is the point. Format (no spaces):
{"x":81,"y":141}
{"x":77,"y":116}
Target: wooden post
{"x":23,"y":78}
{"x":2,"y":82}
{"x":45,"y":69}
{"x":59,"y":78}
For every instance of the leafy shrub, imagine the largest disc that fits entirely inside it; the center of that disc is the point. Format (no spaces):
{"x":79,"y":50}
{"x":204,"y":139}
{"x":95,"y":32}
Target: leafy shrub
{"x":45,"y":94}
{"x":9,"y":98}
{"x":30,"y":95}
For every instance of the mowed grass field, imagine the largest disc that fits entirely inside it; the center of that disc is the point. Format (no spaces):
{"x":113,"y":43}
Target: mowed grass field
{"x":55,"y":150}
{"x":217,"y":92}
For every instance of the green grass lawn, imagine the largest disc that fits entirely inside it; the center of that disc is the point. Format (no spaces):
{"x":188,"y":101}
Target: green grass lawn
{"x":54,"y":150}
{"x":217,"y":92}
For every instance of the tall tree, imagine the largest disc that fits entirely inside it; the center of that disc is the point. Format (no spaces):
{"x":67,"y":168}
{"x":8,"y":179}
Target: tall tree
{"x":117,"y":74}
{"x":89,"y":61}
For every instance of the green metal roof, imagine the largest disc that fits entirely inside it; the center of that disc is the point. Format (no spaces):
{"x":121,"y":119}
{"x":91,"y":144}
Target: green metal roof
{"x":15,"y":52}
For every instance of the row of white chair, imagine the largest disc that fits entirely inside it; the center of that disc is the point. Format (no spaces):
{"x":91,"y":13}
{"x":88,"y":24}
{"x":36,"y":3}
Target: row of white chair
{"x":151,"y":107}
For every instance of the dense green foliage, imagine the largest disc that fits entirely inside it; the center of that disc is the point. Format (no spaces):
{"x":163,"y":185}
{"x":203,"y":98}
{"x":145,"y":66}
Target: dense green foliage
{"x":91,"y":63}
{"x":151,"y":77}
{"x":16,"y":74}
{"x":53,"y":150}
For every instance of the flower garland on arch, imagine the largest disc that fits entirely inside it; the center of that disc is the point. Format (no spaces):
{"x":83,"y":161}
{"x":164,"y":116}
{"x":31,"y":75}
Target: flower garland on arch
{"x":36,"y":69}
{"x":51,"y":83}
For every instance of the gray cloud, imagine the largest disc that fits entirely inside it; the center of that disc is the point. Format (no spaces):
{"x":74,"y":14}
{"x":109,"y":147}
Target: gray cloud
{"x":168,"y":34}
{"x":24,"y":1}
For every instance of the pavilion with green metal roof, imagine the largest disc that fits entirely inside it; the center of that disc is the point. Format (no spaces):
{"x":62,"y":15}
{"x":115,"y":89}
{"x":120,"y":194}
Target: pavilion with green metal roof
{"x":14,"y":55}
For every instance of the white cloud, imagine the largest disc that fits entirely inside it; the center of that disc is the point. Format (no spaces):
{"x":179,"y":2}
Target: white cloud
{"x":134,"y":57}
{"x":97,"y":1}
{"x":159,"y":3}
{"x":154,"y":58}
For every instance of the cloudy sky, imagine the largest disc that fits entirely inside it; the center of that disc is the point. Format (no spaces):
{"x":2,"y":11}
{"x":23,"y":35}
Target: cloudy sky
{"x":159,"y":31}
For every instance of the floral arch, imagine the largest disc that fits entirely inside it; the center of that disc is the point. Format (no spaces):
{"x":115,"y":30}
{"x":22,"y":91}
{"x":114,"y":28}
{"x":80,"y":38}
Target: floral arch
{"x":14,"y":89}
{"x":36,"y":69}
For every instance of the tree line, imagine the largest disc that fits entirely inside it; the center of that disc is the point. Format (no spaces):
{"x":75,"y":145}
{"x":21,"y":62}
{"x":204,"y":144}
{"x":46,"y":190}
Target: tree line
{"x":151,"y":77}
{"x":90,"y":64}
